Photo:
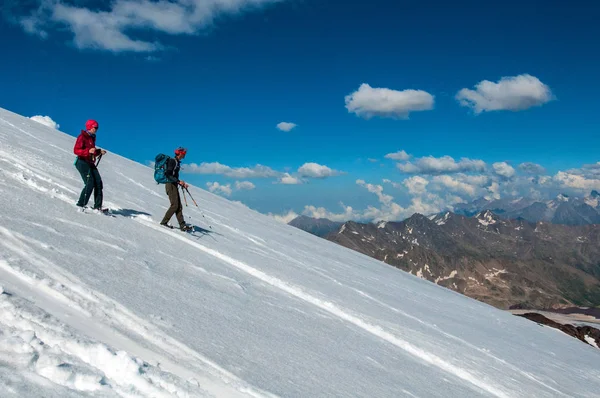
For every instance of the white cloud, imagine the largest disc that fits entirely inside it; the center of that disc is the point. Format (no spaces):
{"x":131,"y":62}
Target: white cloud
{"x":112,"y":29}
{"x":456,"y":185}
{"x":578,"y":182}
{"x":513,"y":93}
{"x":46,"y":121}
{"x":215,"y":187}
{"x":288,"y":179}
{"x":503,"y":169}
{"x":493,"y":191}
{"x":587,"y":170}
{"x":445,"y":164}
{"x":377,"y":190}
{"x":258,"y":171}
{"x":285,"y":126}
{"x":416,"y":185}
{"x":400,"y":155}
{"x":244,"y":185}
{"x":321,"y":212}
{"x":284,"y":218}
{"x":368,"y":102}
{"x":532,"y":168}
{"x":315,"y":170}
{"x":372,"y":160}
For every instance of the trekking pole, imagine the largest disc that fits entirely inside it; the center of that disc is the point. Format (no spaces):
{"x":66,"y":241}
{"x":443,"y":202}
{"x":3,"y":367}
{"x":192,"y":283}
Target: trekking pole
{"x":201,"y":212}
{"x":184,"y":198}
{"x":191,"y":197}
{"x":99,"y":159}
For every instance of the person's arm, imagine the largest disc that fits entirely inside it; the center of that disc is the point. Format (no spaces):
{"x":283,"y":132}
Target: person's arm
{"x":79,"y":148}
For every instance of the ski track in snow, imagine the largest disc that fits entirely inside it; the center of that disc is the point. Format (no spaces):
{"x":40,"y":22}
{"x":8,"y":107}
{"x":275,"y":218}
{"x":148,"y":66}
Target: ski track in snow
{"x":340,"y":313}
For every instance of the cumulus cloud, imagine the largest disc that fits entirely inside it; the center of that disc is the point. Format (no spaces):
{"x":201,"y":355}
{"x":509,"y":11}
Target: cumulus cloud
{"x":244,"y":185}
{"x":46,"y":121}
{"x":532,"y":168}
{"x":368,"y":102}
{"x":577,"y":182}
{"x":377,"y":190}
{"x":513,"y":93}
{"x":288,"y":179}
{"x":315,"y":170}
{"x":215,"y":187}
{"x":443,"y":165}
{"x":503,"y":169}
{"x":459,"y":185}
{"x":321,"y":212}
{"x":416,"y":185}
{"x":285,"y":126}
{"x":400,"y":155}
{"x":258,"y":171}
{"x":114,"y":28}
{"x":392,"y":183}
{"x":286,"y":217}
{"x":493,"y":191}
{"x":587,"y":170}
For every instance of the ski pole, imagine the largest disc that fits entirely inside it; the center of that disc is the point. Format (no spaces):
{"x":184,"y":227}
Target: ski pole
{"x":191,"y":197}
{"x":99,"y":159}
{"x":201,"y":212}
{"x":184,"y":198}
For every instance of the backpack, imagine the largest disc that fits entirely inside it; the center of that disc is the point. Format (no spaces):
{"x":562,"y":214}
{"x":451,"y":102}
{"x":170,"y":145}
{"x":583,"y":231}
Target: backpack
{"x":160,"y":167}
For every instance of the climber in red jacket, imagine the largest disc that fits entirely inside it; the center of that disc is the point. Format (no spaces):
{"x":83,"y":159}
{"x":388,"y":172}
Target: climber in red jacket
{"x":87,"y":153}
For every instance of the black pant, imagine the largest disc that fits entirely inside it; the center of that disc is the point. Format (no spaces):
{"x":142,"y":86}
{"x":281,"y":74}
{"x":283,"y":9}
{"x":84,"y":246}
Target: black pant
{"x":93,"y":182}
{"x":175,"y":208}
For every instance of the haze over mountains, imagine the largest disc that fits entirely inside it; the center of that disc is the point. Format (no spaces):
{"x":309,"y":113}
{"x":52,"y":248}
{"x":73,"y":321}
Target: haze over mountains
{"x":561,"y":210}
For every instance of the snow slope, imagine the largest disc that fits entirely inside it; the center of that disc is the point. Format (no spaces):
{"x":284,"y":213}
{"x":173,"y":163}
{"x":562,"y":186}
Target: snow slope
{"x":248,"y":307}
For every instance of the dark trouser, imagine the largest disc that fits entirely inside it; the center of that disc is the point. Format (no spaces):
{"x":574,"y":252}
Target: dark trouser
{"x":175,"y":208}
{"x":93,"y":182}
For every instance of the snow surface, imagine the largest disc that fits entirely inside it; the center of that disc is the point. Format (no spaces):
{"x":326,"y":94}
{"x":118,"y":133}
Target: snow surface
{"x":591,"y":340}
{"x":93,"y":305}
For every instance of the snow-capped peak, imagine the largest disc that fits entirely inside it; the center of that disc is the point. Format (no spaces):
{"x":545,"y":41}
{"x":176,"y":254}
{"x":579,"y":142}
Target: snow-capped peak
{"x":562,"y":197}
{"x":486,"y":218}
{"x":442,"y":219}
{"x":593,"y":200}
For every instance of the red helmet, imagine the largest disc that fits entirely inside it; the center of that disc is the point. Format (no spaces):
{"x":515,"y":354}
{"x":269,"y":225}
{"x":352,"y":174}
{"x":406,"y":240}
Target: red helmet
{"x":180,"y":151}
{"x":90,"y":124}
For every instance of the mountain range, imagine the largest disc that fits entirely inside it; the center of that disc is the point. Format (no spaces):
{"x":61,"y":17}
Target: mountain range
{"x":508,"y":263}
{"x":561,"y":210}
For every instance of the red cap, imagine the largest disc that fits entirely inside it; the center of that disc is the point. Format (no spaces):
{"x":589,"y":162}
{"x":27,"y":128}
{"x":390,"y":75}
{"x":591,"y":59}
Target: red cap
{"x":90,"y":124}
{"x":180,"y":151}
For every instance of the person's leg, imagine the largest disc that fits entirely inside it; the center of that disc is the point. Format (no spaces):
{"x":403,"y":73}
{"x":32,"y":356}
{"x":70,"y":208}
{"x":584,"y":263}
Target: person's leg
{"x":98,"y":196}
{"x":85,"y":170}
{"x":179,"y":212}
{"x":173,"y":195}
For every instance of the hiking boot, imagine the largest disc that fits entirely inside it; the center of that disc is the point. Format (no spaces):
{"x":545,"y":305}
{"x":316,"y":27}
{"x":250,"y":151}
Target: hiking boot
{"x":186,"y":228}
{"x":100,"y":210}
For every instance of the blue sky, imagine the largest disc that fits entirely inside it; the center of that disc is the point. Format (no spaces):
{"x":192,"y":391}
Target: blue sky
{"x":218,"y":79}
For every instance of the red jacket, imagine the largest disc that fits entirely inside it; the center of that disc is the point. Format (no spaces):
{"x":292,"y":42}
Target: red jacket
{"x":82,"y":147}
